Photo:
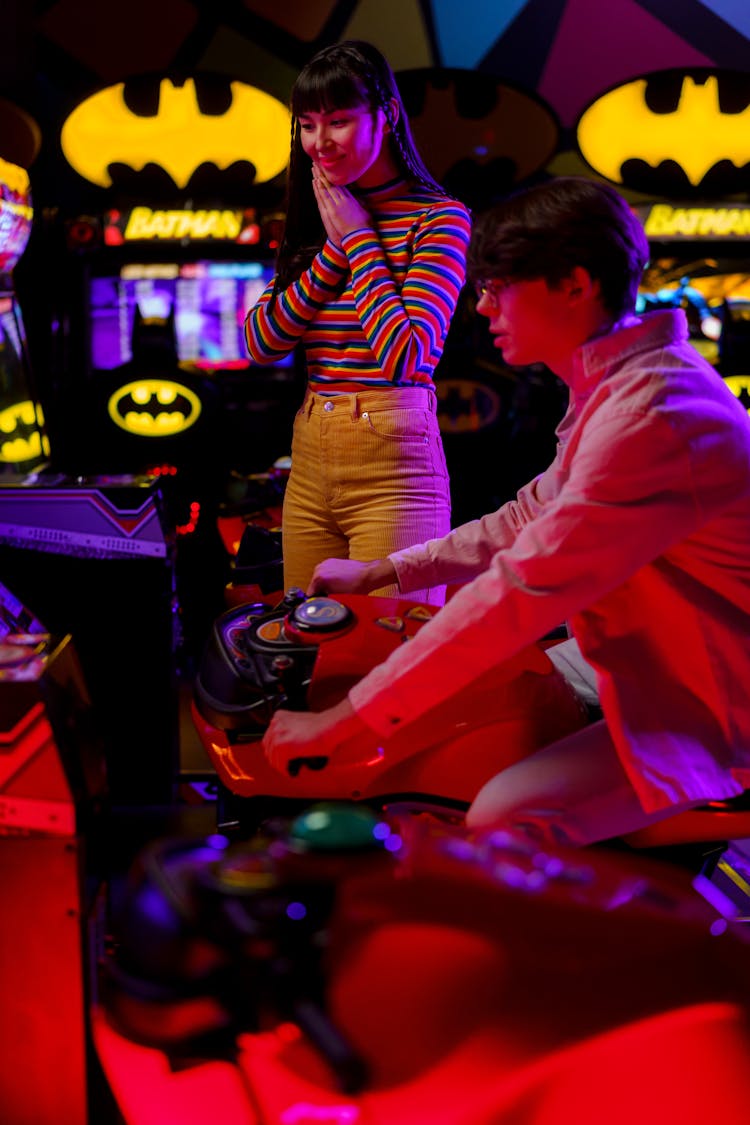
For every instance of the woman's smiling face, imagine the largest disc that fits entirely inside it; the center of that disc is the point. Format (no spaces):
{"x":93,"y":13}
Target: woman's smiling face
{"x":350,"y":146}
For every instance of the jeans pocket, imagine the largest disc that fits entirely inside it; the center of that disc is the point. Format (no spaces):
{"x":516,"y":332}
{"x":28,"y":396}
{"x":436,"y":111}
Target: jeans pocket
{"x":399,"y":424}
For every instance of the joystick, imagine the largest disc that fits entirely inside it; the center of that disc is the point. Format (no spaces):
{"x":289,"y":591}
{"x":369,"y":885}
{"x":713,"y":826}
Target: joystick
{"x":290,"y":676}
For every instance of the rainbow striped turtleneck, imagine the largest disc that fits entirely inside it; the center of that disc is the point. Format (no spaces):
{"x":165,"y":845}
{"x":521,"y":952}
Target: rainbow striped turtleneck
{"x":374,"y":313}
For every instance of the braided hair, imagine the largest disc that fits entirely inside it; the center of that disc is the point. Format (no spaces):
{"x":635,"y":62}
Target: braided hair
{"x":342,"y":76}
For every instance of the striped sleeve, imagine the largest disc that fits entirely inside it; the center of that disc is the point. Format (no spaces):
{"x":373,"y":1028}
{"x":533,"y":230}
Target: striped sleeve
{"x":406,"y":328}
{"x":271,"y":333}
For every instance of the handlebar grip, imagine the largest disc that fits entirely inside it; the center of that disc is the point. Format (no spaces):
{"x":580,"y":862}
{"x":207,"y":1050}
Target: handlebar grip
{"x":294,"y":765}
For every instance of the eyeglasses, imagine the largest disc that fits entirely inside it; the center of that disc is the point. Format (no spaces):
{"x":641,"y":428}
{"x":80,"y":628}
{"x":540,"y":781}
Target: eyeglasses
{"x":491,"y":288}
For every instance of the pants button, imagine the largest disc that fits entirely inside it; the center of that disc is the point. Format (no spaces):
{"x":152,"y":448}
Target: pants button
{"x":328,"y":406}
{"x":365,"y":414}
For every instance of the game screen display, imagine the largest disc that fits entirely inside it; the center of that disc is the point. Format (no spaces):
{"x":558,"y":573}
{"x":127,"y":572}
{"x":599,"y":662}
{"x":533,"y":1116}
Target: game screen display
{"x":715,"y":294}
{"x":209,"y":300}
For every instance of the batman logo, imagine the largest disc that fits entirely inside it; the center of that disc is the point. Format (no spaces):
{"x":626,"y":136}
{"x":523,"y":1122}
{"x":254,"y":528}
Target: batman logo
{"x":482,"y":137}
{"x":154,"y":408}
{"x":465,"y":405}
{"x":739,"y":385}
{"x":22,"y":438}
{"x":174,"y":133}
{"x":671,"y":132}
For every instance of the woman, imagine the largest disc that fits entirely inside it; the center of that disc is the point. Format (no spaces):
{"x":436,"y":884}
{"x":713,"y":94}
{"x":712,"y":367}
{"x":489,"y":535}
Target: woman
{"x":368,"y":275}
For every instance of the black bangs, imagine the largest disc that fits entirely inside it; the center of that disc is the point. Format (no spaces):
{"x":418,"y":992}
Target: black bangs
{"x":333,"y":87}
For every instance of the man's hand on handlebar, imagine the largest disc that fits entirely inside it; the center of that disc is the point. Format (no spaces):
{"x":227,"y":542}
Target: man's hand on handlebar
{"x":309,"y":735}
{"x":347,"y":576}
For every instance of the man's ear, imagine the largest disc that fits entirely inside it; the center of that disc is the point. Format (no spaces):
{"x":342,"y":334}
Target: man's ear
{"x":581,"y":285}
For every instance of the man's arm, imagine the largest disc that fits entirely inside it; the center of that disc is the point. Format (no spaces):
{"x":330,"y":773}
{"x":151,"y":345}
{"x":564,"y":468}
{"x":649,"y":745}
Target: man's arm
{"x":306,"y":734}
{"x":346,"y":576}
{"x":459,"y":556}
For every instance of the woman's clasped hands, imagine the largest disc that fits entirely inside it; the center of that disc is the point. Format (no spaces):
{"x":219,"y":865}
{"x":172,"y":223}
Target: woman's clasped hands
{"x":340,"y":210}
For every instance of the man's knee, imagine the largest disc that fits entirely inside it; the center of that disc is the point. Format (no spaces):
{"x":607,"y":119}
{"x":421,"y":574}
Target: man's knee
{"x":514,"y":800}
{"x":496,"y":803}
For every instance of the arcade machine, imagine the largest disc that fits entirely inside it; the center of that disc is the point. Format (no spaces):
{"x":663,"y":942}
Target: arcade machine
{"x":676,"y":137}
{"x":701,"y":263}
{"x":53,"y":792}
{"x":24,"y":445}
{"x":156,"y":333}
{"x":90,"y":554}
{"x":148,"y":391}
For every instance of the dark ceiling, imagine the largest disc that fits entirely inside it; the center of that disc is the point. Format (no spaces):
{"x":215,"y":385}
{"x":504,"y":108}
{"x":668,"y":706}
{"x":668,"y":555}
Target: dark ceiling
{"x":560,"y":53}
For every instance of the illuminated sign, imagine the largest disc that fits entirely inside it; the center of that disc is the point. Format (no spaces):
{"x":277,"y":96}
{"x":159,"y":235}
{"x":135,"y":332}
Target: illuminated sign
{"x":16,"y":214}
{"x":145,"y":224}
{"x":154,"y":408}
{"x":662,"y":220}
{"x":14,"y":178}
{"x":667,"y":121}
{"x":739,"y":385}
{"x":179,"y":138}
{"x":22,"y":436}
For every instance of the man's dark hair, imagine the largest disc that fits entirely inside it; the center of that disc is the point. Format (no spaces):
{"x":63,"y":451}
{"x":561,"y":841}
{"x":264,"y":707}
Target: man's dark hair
{"x":547,"y":230}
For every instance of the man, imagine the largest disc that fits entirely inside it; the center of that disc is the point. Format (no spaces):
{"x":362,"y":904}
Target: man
{"x":637,"y":535}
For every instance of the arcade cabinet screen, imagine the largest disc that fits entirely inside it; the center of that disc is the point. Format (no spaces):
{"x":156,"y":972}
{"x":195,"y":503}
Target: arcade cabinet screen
{"x":210,"y":300}
{"x":715,"y":295}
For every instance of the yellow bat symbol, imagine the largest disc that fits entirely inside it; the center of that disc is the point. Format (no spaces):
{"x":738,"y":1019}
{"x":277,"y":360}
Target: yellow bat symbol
{"x":102,"y":131}
{"x":21,"y":436}
{"x":696,"y":135}
{"x":154,"y":408}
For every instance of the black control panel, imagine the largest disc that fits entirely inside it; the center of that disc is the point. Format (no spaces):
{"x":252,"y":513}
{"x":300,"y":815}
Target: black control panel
{"x":260,"y":657}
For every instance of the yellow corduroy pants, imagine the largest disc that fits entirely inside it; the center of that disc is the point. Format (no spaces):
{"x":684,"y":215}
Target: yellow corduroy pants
{"x":368,"y":477}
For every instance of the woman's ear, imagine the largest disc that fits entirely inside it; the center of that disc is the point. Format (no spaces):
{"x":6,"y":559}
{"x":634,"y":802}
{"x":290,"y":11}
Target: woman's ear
{"x":393,"y":114}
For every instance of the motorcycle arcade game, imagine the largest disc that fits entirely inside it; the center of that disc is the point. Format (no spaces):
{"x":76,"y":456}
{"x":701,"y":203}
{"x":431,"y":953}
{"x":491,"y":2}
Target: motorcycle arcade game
{"x":305,"y":654}
{"x":345,"y":950}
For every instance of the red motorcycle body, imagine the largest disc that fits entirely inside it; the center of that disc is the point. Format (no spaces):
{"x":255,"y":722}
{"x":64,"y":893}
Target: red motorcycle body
{"x":308,"y":653}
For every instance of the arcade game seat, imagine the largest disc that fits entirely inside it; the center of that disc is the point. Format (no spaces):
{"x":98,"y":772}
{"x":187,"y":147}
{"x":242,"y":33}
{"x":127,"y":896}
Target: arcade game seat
{"x":713,"y":842}
{"x":706,"y":824}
